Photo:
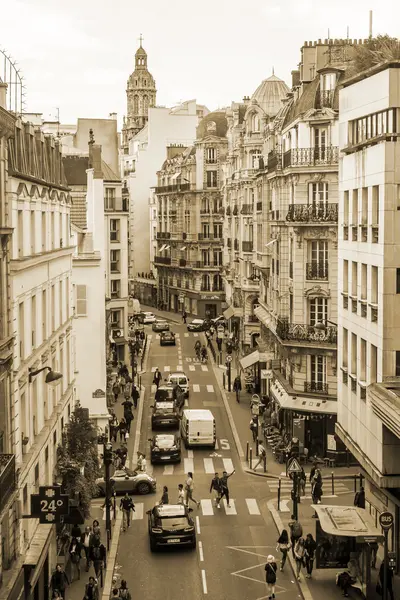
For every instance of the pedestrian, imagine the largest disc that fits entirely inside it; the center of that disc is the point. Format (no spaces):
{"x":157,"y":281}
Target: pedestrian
{"x":219,"y":344}
{"x":270,"y":575}
{"x":128,"y":414}
{"x":123,"y":430}
{"x":98,"y":555}
{"x":59,"y":581}
{"x":115,"y":594}
{"x":254,"y":428}
{"x":122,"y":382}
{"x":374,"y":553}
{"x":75,"y":551}
{"x":91,"y":590}
{"x":76,"y":532}
{"x":262,"y":456}
{"x":296,"y":531}
{"x":126,"y":505}
{"x":114,"y":427}
{"x":135,"y":395}
{"x":224,"y":486}
{"x":302,"y":482}
{"x":283,"y":546}
{"x":128,"y":388}
{"x":124,"y":591}
{"x":142,"y":335}
{"x":189,"y":487}
{"x":122,"y":455}
{"x":299,"y":555}
{"x":116,"y":389}
{"x":86,"y":541}
{"x":359,"y":498}
{"x":313,"y":469}
{"x":181,"y":494}
{"x":216,"y":489}
{"x":184,"y":317}
{"x":157,"y":377}
{"x":310,"y":546}
{"x":316,"y":488}
{"x":57,"y":595}
{"x":164,"y":497}
{"x":237,"y":387}
{"x":96,"y":528}
{"x":389,"y":580}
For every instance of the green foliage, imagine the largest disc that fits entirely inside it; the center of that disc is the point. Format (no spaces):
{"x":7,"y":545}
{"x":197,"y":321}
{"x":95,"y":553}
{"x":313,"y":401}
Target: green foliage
{"x":375,"y":50}
{"x":79,"y":449}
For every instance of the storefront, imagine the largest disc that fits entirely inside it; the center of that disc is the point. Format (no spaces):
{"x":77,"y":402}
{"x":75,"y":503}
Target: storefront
{"x":233,"y":315}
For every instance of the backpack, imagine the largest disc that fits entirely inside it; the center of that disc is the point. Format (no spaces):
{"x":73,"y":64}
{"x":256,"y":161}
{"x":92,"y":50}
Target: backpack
{"x":262,"y":451}
{"x":96,"y":553}
{"x":124,"y":593}
{"x":297,"y":530}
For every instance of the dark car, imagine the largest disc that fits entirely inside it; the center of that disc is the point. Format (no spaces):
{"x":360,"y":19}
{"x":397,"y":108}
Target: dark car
{"x":125,"y":480}
{"x":165,"y":414}
{"x":171,"y":525}
{"x":196,"y":325}
{"x":159,"y":326}
{"x":167,"y":393}
{"x":167,"y":338}
{"x":165,"y":448}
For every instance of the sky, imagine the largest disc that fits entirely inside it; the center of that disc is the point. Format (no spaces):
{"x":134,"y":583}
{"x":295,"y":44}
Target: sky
{"x":77,"y":55}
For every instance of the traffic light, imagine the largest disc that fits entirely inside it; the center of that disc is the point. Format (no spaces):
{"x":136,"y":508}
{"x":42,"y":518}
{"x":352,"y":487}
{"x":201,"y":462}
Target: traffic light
{"x":108,"y":454}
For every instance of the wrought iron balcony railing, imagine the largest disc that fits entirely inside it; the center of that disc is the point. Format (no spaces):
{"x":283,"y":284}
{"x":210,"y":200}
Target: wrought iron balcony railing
{"x":313,"y":213}
{"x":162,"y":260}
{"x":253,"y":319}
{"x":162,"y":189}
{"x":310,"y":157}
{"x":163,"y":235}
{"x":247,"y":209}
{"x":315,"y":387}
{"x":325,"y":98}
{"x":247,"y":246}
{"x":299,"y":332}
{"x":317,"y":270}
{"x":7,"y":478}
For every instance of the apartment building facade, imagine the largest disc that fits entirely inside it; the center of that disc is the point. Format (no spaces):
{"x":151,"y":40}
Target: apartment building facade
{"x":190,"y":223}
{"x":369,"y":283}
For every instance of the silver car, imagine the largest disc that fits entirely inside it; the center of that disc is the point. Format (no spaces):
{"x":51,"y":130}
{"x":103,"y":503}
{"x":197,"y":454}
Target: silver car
{"x":129,"y":481}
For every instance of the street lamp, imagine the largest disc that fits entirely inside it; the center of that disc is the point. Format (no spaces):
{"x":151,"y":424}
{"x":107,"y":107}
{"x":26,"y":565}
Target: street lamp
{"x":323,"y":326}
{"x":53,"y":378}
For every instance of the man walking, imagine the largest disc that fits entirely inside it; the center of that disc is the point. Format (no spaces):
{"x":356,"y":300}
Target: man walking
{"x":135,"y":395}
{"x":184,"y":317}
{"x":237,"y":387}
{"x":262,"y":456}
{"x":86,"y":541}
{"x":296,"y":531}
{"x":157,"y":377}
{"x":254,"y":428}
{"x":127,"y":506}
{"x":59,"y":581}
{"x":128,"y":414}
{"x":224,"y":486}
{"x":359,"y":498}
{"x":216,"y":489}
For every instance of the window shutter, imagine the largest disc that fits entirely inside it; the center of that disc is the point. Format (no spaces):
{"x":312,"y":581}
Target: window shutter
{"x":81,"y":301}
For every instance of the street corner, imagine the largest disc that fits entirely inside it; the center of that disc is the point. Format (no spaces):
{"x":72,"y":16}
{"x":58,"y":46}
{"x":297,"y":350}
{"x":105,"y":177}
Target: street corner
{"x":266,"y":475}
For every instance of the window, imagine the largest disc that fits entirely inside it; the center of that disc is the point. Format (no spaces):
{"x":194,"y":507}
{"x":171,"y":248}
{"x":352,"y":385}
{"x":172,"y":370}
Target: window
{"x":21,"y":330}
{"x":374,"y":285}
{"x":33,"y":232}
{"x":206,"y":230}
{"x":20,"y":234}
{"x":115,"y":318}
{"x":255,"y":159}
{"x":44,"y":232}
{"x":115,"y":256}
{"x":320,"y":142}
{"x":318,"y":193}
{"x":217,"y":258}
{"x":205,"y":257}
{"x":318,"y":310}
{"x":375,"y":205}
{"x":364,"y":206}
{"x":217,"y":283}
{"x":373,"y":371}
{"x":115,"y":288}
{"x":212,"y":179}
{"x":255,"y":123}
{"x":345,"y":276}
{"x":397,"y":363}
{"x":205,"y":283}
{"x":109,"y":199}
{"x":52,"y":232}
{"x":211,"y":155}
{"x":318,"y":373}
{"x":345,"y":357}
{"x":81,"y":301}
{"x":53,"y":308}
{"x":114,"y":230}
{"x":217,"y":230}
{"x":319,"y":251}
{"x":354,"y":208}
{"x":61,"y":301}
{"x":36,"y":477}
{"x":67,"y":292}
{"x":33,"y":321}
{"x":44,"y":315}
{"x":353,"y":354}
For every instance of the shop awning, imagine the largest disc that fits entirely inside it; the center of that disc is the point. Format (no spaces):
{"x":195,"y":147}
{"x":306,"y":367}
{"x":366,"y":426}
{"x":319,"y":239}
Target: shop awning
{"x":250,"y":359}
{"x":347,"y":521}
{"x":262,"y":315}
{"x":37,"y":552}
{"x":314,"y":405}
{"x":229,"y":312}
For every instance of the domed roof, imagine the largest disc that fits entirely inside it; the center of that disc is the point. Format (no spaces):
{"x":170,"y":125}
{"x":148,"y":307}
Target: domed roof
{"x":141,"y":51}
{"x":269,"y":94}
{"x":214,"y":124}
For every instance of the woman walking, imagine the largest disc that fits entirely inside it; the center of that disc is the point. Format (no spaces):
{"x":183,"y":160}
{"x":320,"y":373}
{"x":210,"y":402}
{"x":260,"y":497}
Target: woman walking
{"x":189,"y":487}
{"x":164,"y":497}
{"x":310,"y":546}
{"x":283,"y":546}
{"x":116,"y":389}
{"x":270,"y":575}
{"x":299,"y":555}
{"x":75,"y":552}
{"x":123,"y":430}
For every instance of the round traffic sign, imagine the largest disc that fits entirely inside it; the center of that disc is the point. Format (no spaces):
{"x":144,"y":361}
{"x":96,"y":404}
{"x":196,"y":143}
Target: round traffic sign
{"x":229,"y":358}
{"x":386,"y":520}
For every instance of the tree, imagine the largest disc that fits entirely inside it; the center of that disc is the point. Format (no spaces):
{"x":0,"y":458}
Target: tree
{"x":77,"y":458}
{"x":375,"y":50}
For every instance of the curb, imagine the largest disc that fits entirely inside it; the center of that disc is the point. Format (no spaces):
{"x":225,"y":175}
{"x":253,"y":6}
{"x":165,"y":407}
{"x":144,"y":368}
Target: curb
{"x":302,"y":585}
{"x":112,"y":557}
{"x":259,"y":474}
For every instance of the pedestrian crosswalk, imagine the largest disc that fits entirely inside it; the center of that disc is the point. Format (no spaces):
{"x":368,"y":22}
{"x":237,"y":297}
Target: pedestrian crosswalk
{"x":208,"y":508}
{"x":194,"y":366}
{"x":215,"y":463}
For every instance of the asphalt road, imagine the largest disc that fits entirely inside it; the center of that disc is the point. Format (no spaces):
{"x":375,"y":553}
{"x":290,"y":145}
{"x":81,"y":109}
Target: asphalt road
{"x":232,"y":544}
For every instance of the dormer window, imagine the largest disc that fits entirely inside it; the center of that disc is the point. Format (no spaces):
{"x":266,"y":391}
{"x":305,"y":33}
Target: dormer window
{"x":327,"y":82}
{"x":255,"y":123}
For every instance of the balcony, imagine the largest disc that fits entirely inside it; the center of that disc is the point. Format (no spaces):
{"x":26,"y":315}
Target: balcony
{"x":247,"y":209}
{"x":315,"y":387}
{"x":172,"y":213}
{"x":274,"y":161}
{"x":163,"y":189}
{"x":235,"y":210}
{"x":323,"y":212}
{"x":247,"y":246}
{"x":182,"y":262}
{"x":229,"y":242}
{"x":252,"y":319}
{"x":7,"y":478}
{"x":163,"y":235}
{"x":296,"y":332}
{"x":228,"y":211}
{"x":324,"y":99}
{"x":311,"y":157}
{"x":317,"y":270}
{"x":209,"y":237}
{"x":236,"y":244}
{"x":162,"y":260}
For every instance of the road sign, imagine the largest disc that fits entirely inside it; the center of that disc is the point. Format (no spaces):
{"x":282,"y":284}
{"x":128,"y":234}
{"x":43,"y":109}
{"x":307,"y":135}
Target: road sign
{"x":49,"y":505}
{"x":229,"y":358}
{"x":294,"y":466}
{"x":386,"y":520}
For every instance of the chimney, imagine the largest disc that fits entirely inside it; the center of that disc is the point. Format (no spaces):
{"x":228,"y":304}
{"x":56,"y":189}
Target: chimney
{"x":113,"y":116}
{"x":3,"y":94}
{"x":295,"y":78}
{"x":95,"y":157}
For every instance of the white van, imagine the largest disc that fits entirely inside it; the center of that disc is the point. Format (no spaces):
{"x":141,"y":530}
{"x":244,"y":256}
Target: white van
{"x":180,"y":379}
{"x":198,"y":428}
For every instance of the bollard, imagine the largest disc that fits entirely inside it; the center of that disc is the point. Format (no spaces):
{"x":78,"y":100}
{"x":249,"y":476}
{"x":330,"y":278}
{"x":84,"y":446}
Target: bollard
{"x":361,"y":480}
{"x":247,"y":452}
{"x":251,"y":458}
{"x":355,"y":483}
{"x":223,"y":380}
{"x":257,"y":446}
{"x":279,"y":494}
{"x":333,"y":484}
{"x":265,"y":464}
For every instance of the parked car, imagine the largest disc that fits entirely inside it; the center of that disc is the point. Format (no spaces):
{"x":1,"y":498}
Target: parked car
{"x":171,"y":525}
{"x":196,"y":325}
{"x":219,"y":321}
{"x":160,"y":326}
{"x":125,"y":480}
{"x":165,"y":448}
{"x":165,"y":414}
{"x":167,"y":338}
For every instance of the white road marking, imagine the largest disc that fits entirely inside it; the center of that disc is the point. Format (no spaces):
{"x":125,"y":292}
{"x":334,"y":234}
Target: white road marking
{"x":188,"y":359}
{"x":198,"y":525}
{"x":228,"y":465}
{"x":225,"y":444}
{"x":186,"y":334}
{"x":192,"y":368}
{"x":204,"y":368}
{"x":216,"y":444}
{"x":168,"y":470}
{"x":190,"y":454}
{"x":252,"y":506}
{"x":207,"y":507}
{"x":179,"y":368}
{"x":196,"y":387}
{"x":201,"y":555}
{"x":188,"y":465}
{"x":139,"y":512}
{"x":186,"y":403}
{"x":208,"y":465}
{"x":167,"y":369}
{"x":232,"y":509}
{"x":210,"y":388}
{"x":284,"y":507}
{"x":195,"y":335}
{"x":204,"y":580}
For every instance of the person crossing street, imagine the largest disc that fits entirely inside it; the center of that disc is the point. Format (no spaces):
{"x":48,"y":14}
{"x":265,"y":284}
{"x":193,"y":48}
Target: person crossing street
{"x":224,"y":486}
{"x":189,"y":487}
{"x":157,"y":377}
{"x":126,"y":506}
{"x":216,"y":489}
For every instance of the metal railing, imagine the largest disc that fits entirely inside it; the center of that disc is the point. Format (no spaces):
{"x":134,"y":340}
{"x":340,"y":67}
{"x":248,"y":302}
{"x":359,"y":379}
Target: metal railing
{"x":7,"y":478}
{"x":316,"y":387}
{"x":162,"y":189}
{"x":309,"y":157}
{"x":313,"y":213}
{"x":324,"y":98}
{"x":163,"y":235}
{"x":247,"y":246}
{"x":317,"y":270}
{"x":301,"y":332}
{"x":247,"y":209}
{"x":162,"y":260}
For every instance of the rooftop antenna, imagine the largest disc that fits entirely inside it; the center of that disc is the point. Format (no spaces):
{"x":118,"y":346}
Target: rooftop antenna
{"x":329,"y":37}
{"x":347,"y":32}
{"x":273,"y":71}
{"x":370,"y":23}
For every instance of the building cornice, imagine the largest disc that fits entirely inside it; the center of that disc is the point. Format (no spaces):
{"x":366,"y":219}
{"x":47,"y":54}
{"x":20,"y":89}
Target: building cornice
{"x":7,"y":123}
{"x":22,"y":264}
{"x":391,"y":64}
